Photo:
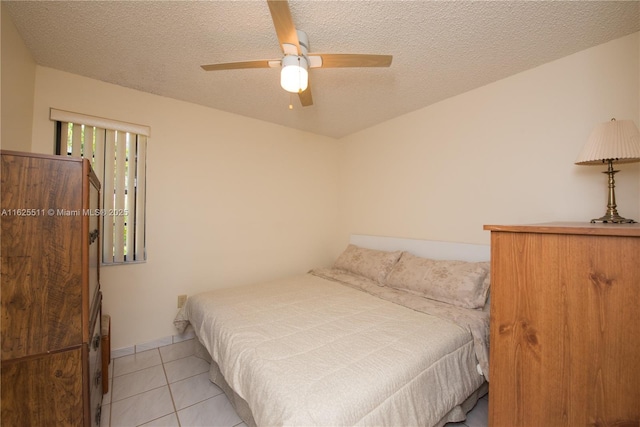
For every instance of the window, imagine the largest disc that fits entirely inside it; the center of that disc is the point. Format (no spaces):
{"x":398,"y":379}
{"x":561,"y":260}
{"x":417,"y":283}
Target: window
{"x":117,"y":152}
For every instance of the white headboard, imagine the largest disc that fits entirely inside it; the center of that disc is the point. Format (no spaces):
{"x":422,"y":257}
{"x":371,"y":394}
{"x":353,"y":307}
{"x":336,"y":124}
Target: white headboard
{"x":425,"y":248}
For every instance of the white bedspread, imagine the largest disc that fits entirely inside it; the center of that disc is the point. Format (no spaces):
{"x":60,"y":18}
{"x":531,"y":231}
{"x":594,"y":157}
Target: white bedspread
{"x":308,"y":351}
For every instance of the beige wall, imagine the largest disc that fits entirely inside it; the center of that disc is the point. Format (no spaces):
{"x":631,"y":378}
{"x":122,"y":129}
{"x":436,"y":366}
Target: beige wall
{"x":17,"y":86}
{"x":230,"y":200}
{"x":502,"y":153}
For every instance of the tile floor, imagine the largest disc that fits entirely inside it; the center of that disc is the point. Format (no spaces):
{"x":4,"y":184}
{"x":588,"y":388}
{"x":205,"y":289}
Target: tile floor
{"x":170,"y":387}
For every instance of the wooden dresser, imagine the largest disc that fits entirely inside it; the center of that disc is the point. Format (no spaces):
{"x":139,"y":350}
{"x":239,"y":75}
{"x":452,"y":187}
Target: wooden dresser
{"x":51,"y":299}
{"x":565,"y":325}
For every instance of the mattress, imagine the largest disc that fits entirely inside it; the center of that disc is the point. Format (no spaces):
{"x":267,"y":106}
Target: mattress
{"x":316,"y":350}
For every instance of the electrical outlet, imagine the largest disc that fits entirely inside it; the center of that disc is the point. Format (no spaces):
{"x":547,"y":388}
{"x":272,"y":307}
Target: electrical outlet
{"x":182,"y":299}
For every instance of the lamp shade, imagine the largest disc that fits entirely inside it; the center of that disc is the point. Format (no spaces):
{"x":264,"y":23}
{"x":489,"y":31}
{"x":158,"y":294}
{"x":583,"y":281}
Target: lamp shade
{"x":294,"y":76}
{"x":616,"y":139}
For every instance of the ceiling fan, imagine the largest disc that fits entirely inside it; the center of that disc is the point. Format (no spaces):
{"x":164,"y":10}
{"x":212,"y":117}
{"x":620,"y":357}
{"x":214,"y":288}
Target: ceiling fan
{"x":297,"y":60}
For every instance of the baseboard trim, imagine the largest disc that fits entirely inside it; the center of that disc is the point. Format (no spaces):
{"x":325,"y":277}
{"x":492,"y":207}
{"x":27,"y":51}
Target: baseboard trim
{"x":150,"y":345}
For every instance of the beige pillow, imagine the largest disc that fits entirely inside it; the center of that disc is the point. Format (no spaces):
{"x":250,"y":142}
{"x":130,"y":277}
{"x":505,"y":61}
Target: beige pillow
{"x":370,"y":263}
{"x":461,"y":283}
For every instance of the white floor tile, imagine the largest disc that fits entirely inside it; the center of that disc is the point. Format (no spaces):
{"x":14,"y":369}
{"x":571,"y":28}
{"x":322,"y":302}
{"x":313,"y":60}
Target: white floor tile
{"x":184,"y":368}
{"x":170,"y":420}
{"x":177,"y":351}
{"x":216,"y":411}
{"x":142,"y":408}
{"x":193,"y":390}
{"x":138,"y":382}
{"x":135,"y":362}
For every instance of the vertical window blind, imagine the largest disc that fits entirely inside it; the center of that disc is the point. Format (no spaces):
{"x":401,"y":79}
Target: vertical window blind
{"x":117,"y":151}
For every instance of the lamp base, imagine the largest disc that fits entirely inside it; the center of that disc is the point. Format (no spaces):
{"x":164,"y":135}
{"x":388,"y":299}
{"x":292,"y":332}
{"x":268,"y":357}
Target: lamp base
{"x":614,"y":219}
{"x":612,"y":213}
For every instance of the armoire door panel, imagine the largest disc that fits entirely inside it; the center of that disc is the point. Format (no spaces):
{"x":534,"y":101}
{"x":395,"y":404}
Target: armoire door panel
{"x":43,"y":391}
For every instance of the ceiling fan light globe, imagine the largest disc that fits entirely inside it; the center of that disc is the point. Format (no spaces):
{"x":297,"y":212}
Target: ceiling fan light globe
{"x":294,"y":76}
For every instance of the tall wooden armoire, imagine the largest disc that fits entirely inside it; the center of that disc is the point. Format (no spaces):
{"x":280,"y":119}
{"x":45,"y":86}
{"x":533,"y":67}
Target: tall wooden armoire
{"x":50,"y":299}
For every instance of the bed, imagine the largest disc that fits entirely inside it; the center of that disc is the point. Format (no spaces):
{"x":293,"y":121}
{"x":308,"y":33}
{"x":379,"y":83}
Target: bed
{"x":395,"y":333}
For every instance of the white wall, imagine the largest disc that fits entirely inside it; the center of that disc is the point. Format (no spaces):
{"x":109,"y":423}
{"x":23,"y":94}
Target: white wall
{"x":17,"y":86}
{"x":230,"y":200}
{"x":502,"y":153}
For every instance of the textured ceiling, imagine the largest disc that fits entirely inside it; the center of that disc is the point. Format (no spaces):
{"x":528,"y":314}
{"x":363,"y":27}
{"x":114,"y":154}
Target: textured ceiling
{"x":440,"y":49}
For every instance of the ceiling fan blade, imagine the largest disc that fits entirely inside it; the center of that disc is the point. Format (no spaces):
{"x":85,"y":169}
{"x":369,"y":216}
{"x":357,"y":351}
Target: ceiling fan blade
{"x":338,"y":60}
{"x":283,"y":22}
{"x":264,"y":63}
{"x":305,"y":97}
